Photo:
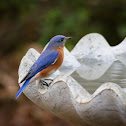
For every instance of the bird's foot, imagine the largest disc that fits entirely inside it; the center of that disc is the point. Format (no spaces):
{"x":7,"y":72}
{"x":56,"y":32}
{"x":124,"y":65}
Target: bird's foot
{"x":49,"y":79}
{"x":45,"y":83}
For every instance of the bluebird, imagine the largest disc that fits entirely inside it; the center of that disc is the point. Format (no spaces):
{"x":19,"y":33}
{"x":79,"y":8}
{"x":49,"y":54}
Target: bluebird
{"x":47,"y":63}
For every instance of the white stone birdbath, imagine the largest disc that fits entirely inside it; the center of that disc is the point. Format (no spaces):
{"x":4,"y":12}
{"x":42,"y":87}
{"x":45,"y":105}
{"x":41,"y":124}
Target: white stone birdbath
{"x":90,"y":87}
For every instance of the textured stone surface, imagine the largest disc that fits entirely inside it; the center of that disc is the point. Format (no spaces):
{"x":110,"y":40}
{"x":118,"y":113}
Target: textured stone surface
{"x":95,"y":56}
{"x":120,"y":51}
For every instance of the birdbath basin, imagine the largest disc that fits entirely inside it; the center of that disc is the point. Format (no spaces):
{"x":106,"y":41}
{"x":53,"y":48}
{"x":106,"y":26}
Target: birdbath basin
{"x":90,"y":87}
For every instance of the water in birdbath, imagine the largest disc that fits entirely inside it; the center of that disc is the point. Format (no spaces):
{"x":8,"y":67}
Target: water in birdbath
{"x":116,"y":73}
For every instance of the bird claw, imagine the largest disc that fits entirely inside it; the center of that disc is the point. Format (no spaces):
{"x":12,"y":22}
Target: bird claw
{"x":48,"y":79}
{"x":45,"y":83}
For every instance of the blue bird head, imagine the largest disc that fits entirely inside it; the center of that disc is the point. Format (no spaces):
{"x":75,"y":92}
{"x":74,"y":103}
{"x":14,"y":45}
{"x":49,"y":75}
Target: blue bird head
{"x":58,"y":41}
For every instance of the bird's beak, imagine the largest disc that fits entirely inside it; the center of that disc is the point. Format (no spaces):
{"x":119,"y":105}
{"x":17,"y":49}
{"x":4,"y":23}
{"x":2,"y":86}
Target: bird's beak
{"x":67,"y":38}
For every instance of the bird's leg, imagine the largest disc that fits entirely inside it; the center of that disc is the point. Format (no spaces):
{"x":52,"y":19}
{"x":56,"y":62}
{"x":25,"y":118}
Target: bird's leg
{"x":48,"y":79}
{"x":45,"y":83}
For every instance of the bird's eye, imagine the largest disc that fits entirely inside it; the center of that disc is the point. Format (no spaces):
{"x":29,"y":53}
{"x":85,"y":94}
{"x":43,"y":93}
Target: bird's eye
{"x":61,"y":39}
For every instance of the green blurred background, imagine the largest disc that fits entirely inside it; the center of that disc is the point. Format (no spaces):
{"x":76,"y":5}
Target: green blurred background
{"x":31,"y":23}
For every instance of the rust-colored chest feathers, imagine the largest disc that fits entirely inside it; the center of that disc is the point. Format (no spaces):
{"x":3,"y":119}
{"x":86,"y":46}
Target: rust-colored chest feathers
{"x":52,"y":68}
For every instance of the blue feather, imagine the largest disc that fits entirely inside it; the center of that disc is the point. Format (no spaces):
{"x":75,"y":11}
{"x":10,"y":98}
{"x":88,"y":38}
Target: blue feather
{"x":22,"y":88}
{"x":39,"y":65}
{"x":43,"y":62}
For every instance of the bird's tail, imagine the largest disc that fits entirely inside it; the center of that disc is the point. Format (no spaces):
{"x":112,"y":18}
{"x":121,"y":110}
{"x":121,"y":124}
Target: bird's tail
{"x":22,"y":88}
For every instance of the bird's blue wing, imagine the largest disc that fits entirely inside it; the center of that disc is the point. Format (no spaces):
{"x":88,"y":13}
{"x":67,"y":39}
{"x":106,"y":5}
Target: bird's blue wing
{"x":38,"y":66}
{"x":41,"y":63}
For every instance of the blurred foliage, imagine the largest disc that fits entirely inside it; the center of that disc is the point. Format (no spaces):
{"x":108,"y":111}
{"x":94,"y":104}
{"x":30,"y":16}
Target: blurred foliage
{"x":26,"y":21}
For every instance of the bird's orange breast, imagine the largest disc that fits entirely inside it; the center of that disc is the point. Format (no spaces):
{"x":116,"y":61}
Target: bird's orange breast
{"x":52,"y":68}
